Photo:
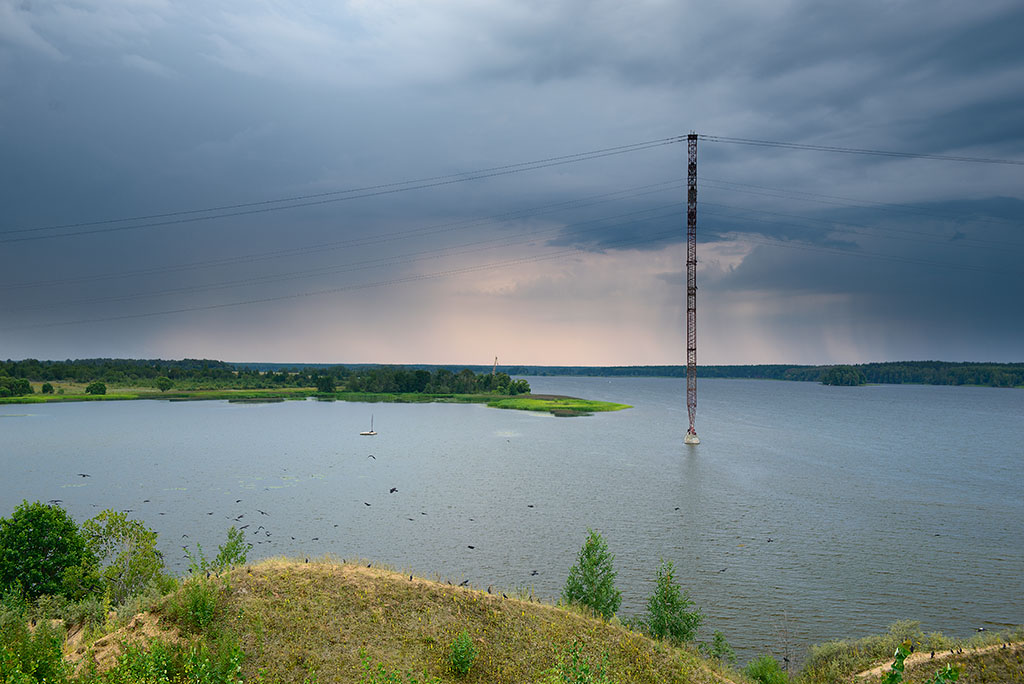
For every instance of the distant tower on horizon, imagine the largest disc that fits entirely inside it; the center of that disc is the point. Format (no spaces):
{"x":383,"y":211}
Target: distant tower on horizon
{"x":691,"y":287}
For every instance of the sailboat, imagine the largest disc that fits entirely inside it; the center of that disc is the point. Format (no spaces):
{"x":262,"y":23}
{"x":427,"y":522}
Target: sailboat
{"x":370,"y":431}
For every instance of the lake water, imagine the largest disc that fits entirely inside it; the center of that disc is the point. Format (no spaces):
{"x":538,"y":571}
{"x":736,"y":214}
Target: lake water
{"x":807,"y":513}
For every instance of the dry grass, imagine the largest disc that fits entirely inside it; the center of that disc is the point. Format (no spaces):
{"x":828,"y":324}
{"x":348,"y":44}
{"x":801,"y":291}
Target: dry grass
{"x":294,"y":618}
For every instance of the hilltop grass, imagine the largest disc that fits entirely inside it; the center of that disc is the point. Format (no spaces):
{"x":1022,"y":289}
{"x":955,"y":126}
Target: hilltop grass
{"x":556,"y":405}
{"x":300,"y":622}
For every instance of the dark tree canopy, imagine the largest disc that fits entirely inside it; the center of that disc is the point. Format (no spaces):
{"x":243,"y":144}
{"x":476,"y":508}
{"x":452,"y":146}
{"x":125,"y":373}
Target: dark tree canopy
{"x":40,"y":549}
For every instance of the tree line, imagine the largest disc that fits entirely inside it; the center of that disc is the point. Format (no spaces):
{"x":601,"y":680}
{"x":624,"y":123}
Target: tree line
{"x":15,"y":377}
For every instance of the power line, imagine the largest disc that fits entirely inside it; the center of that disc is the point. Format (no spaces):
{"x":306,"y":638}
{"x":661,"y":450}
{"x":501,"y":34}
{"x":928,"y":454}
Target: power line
{"x":260,"y":207}
{"x":856,"y":150}
{"x":588,"y":201}
{"x":839,"y":201}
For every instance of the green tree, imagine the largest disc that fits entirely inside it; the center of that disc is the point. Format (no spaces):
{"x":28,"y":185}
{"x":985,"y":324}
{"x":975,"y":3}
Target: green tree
{"x":591,"y":581}
{"x":233,"y":552}
{"x":325,"y":383}
{"x":47,"y":388}
{"x":668,"y":614}
{"x":127,"y":549}
{"x":96,"y":388}
{"x":42,"y":550}
{"x":164,"y":383}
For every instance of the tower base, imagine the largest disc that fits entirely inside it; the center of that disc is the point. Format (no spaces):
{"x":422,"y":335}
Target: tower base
{"x":691,"y":438}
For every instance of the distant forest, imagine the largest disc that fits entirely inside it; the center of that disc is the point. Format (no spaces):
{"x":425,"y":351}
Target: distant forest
{"x":196,"y":374}
{"x":201,"y":373}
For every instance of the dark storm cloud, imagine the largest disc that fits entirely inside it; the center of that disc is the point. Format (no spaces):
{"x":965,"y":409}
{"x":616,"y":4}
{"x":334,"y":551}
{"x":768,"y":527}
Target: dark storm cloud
{"x":120,"y":108}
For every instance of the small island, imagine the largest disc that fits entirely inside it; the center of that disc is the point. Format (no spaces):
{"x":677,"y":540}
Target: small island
{"x":32,"y":381}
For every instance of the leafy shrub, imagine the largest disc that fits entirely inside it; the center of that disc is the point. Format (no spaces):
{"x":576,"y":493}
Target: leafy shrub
{"x":462,"y":653}
{"x":591,"y":581}
{"x":164,"y":383}
{"x":719,"y":649}
{"x":39,"y":545}
{"x":30,"y":656}
{"x":766,"y":670}
{"x":667,"y":614}
{"x":96,"y":388}
{"x":233,"y":552}
{"x":573,"y":667}
{"x":47,"y":388}
{"x":195,"y":604}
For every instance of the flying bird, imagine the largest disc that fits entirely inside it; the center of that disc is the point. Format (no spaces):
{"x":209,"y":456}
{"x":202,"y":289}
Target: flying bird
{"x":365,"y":504}
{"x":393,"y":490}
{"x":372,"y":456}
{"x":84,"y":475}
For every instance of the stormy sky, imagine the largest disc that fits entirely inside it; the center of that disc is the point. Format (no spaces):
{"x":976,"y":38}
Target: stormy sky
{"x":445,"y":181}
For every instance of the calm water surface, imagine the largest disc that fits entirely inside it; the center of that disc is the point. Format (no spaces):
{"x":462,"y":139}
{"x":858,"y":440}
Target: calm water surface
{"x":807,"y":513}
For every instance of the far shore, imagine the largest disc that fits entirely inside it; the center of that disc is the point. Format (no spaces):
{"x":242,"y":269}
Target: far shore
{"x":557,"y":405}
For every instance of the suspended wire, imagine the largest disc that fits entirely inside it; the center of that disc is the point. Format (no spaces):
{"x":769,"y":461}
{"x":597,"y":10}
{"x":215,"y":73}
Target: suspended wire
{"x":261,"y":207}
{"x":588,"y":201}
{"x":856,"y":150}
{"x":777,"y":242}
{"x":869,"y":231}
{"x":835,"y":200}
{"x":575,"y":230}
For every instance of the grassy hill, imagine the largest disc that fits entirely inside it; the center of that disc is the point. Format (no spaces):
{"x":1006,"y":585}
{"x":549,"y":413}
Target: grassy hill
{"x":324,"y":621}
{"x":306,"y":622}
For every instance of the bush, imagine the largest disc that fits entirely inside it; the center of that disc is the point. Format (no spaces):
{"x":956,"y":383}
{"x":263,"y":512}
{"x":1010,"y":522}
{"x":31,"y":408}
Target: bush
{"x":573,"y":667}
{"x":31,"y":656}
{"x":96,"y":388}
{"x":235,"y":551}
{"x":195,"y":604}
{"x":462,"y":653}
{"x":719,"y":649}
{"x":128,"y":548}
{"x":591,"y":581}
{"x":42,"y":550}
{"x":163,"y":383}
{"x":47,"y":388}
{"x":667,"y":614}
{"x":766,"y":670}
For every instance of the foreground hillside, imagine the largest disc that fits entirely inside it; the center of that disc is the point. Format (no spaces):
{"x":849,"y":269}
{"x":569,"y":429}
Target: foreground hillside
{"x":302,"y":621}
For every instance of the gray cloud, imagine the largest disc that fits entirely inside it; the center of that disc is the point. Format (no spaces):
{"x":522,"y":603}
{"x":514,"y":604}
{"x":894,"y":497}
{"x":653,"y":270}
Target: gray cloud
{"x":119,"y":108}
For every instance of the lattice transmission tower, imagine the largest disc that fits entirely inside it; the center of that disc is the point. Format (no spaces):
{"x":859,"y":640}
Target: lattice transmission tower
{"x":691,"y":287}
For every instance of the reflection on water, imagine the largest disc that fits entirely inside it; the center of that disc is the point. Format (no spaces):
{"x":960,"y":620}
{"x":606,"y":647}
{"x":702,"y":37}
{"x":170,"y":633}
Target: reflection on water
{"x":806,"y":513}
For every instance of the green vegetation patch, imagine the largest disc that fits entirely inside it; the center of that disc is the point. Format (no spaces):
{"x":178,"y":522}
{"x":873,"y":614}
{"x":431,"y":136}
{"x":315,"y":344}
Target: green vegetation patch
{"x":294,"y":618}
{"x":557,"y":405}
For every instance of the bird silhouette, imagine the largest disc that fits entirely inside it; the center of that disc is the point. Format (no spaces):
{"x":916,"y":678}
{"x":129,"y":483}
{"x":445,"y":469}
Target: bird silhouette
{"x":372,"y":456}
{"x":393,"y":490}
{"x":84,"y":475}
{"x":471,"y":546}
{"x":463,"y":583}
{"x":262,"y":512}
{"x":365,"y":504}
